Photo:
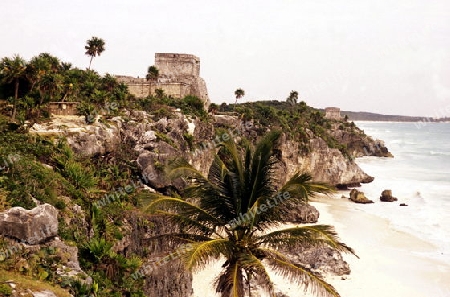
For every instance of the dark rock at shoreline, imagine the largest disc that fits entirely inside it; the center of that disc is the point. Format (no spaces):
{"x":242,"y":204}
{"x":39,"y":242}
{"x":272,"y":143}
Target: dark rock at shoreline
{"x":403,"y":204}
{"x":303,"y":214}
{"x":359,"y":197}
{"x":386,"y":196}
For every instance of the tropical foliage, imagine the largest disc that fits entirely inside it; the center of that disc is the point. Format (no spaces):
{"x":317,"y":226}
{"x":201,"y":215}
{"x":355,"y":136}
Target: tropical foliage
{"x":12,"y":70}
{"x":31,"y":85}
{"x":231,"y":213}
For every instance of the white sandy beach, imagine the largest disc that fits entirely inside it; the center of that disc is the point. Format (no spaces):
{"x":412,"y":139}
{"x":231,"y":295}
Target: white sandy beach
{"x":391,"y":263}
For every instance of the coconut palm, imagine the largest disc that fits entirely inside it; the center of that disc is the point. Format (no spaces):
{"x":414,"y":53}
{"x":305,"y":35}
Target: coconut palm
{"x":12,"y":70}
{"x":230,"y":212}
{"x":94,"y":47}
{"x":239,"y":93}
{"x":293,"y":97}
{"x":152,"y":76}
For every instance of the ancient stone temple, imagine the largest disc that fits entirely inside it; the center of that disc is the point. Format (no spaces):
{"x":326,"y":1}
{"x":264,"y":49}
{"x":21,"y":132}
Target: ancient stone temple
{"x":333,"y":113}
{"x":179,"y":75}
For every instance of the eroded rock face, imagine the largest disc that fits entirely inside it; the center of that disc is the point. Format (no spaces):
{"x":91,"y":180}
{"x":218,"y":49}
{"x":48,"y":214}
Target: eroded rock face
{"x":322,"y":260}
{"x":386,"y":196}
{"x":156,"y":283}
{"x":31,"y":226}
{"x":360,"y":146}
{"x":323,"y":163}
{"x":303,"y":214}
{"x":359,"y":197}
{"x":161,"y":141}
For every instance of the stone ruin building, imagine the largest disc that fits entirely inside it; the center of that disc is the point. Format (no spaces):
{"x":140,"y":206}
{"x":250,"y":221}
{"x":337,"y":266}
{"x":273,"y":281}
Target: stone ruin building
{"x":179,"y":75}
{"x":333,"y":113}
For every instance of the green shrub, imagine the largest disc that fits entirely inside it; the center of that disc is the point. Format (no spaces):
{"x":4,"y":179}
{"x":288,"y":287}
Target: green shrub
{"x":5,"y":290}
{"x":79,"y":175}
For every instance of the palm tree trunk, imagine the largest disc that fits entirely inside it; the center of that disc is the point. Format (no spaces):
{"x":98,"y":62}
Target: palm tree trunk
{"x":16,"y":96}
{"x":249,"y":287}
{"x":90,"y":62}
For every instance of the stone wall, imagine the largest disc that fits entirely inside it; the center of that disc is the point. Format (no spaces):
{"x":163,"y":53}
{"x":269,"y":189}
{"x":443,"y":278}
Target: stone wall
{"x":333,"y":113}
{"x":177,"y":65}
{"x":63,"y":108}
{"x":179,"y":76}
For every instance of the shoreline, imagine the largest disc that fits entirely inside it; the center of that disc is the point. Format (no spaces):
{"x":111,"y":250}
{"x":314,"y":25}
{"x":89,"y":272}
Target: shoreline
{"x":392,"y":263}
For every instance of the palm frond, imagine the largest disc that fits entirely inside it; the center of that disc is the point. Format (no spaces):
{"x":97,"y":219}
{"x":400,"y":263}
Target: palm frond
{"x":316,"y":235}
{"x":261,"y":181}
{"x":254,"y":265}
{"x":183,"y":208}
{"x":300,"y":186}
{"x":202,"y":253}
{"x":230,"y":282}
{"x":296,"y":272}
{"x":189,"y":225}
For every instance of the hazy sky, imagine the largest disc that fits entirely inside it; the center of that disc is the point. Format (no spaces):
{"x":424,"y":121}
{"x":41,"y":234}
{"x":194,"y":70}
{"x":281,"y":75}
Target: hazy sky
{"x":391,"y":57}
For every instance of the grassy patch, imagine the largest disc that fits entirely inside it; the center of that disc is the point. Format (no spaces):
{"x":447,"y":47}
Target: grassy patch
{"x":26,"y":283}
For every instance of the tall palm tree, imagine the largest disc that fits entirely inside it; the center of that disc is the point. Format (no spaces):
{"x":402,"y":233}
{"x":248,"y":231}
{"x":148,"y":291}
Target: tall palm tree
{"x":94,"y":47}
{"x":239,"y":93}
{"x":293,"y":97}
{"x":230,"y":212}
{"x":152,"y":75}
{"x":12,"y":70}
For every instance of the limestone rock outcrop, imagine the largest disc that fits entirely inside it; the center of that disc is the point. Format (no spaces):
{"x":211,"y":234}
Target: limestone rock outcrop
{"x":303,"y":214}
{"x":30,"y":226}
{"x":325,"y":164}
{"x":359,"y":197}
{"x":321,"y":260}
{"x":141,"y":231}
{"x":386,"y":196}
{"x":360,"y":145}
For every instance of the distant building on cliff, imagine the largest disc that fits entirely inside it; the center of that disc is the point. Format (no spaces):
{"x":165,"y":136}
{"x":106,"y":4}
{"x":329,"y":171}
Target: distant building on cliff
{"x":179,"y":76}
{"x":333,"y":113}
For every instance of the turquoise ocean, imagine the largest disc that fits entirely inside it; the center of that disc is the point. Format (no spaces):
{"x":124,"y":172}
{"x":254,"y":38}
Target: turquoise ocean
{"x":418,"y":175}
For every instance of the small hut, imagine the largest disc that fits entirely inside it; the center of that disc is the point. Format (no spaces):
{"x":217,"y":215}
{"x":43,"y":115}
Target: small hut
{"x":63,"y":108}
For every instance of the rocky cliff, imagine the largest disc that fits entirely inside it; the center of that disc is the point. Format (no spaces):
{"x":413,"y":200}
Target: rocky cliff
{"x":158,"y":142}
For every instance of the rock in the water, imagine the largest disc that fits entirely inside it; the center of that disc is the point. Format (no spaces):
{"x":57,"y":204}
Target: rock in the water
{"x":359,"y":197}
{"x":386,"y":196}
{"x":303,"y":214}
{"x":403,"y":204}
{"x":30,"y":226}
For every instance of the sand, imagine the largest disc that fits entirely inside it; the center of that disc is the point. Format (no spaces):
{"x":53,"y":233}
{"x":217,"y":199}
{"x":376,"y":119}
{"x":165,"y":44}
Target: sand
{"x":391,"y":263}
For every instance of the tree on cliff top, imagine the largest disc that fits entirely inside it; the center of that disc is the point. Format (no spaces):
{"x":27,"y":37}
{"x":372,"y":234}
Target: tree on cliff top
{"x":230,"y":212}
{"x":12,"y":70}
{"x":293,"y":97}
{"x":94,"y":47}
{"x":239,"y":93}
{"x":152,"y":75}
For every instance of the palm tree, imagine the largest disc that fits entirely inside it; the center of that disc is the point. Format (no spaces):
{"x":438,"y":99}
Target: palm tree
{"x":239,"y":93}
{"x":229,"y":213}
{"x":12,"y":70}
{"x":152,"y":76}
{"x":94,"y":47}
{"x":293,"y":97}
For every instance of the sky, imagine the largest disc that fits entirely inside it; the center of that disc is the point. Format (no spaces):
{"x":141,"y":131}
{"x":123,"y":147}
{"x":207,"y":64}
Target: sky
{"x":390,"y":57}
